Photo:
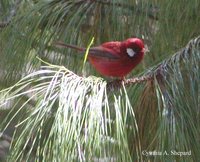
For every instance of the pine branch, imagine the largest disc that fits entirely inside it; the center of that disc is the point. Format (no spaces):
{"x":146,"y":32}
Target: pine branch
{"x":160,"y":71}
{"x":71,"y":91}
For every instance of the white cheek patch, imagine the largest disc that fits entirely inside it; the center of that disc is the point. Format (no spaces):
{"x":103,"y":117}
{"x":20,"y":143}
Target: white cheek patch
{"x":130,"y":52}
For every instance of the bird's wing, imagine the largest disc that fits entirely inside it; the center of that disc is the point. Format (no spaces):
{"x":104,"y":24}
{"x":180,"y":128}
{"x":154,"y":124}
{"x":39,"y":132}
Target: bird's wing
{"x":103,"y":53}
{"x":115,"y":46}
{"x":108,"y":50}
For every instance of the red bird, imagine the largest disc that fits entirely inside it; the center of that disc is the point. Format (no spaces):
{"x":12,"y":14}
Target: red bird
{"x":114,"y":59}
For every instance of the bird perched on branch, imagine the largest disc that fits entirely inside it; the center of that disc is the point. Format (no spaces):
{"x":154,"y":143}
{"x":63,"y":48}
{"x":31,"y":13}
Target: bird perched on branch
{"x":113,"y":59}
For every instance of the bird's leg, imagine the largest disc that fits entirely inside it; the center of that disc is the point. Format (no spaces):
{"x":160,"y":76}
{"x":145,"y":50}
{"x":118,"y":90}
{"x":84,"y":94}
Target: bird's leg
{"x":123,"y":79}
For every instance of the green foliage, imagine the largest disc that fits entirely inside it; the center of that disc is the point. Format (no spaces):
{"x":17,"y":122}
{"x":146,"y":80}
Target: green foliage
{"x":75,"y":118}
{"x":71,"y":120}
{"x":60,"y":116}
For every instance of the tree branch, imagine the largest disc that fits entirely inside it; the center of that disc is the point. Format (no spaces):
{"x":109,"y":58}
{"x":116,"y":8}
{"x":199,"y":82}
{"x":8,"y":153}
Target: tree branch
{"x":159,"y":72}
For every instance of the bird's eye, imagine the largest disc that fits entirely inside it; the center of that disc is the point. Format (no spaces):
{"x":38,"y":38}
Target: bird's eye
{"x":130,"y":52}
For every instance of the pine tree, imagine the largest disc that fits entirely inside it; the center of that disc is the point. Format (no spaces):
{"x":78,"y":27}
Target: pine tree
{"x":64,"y":112}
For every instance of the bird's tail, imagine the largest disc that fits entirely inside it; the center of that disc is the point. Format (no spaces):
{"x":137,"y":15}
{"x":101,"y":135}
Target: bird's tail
{"x":64,"y":45}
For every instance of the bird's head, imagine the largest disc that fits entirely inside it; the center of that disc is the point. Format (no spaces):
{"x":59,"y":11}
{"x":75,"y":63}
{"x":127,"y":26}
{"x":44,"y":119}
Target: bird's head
{"x":134,"y":47}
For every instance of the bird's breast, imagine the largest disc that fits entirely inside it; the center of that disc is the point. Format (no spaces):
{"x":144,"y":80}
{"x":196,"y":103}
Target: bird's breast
{"x":115,"y":68}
